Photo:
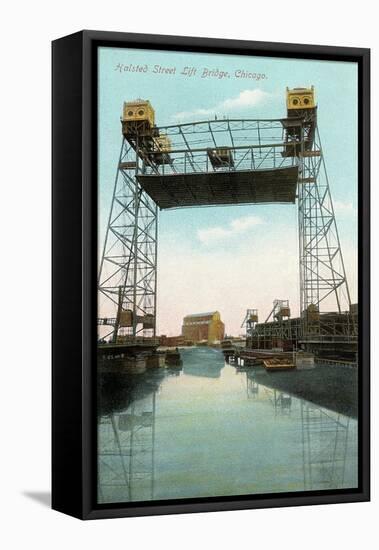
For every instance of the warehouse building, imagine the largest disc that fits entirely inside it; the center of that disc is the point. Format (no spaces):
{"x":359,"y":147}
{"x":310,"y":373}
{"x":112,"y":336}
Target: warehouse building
{"x":200,"y":327}
{"x":174,"y":341}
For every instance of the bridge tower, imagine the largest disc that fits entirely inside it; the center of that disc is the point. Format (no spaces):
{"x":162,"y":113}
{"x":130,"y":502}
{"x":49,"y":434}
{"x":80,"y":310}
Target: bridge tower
{"x":128,"y":269}
{"x":323,"y":282}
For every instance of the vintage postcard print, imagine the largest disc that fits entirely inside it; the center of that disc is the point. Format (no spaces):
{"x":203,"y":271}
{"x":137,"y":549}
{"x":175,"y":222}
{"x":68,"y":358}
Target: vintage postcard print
{"x":227,"y":275}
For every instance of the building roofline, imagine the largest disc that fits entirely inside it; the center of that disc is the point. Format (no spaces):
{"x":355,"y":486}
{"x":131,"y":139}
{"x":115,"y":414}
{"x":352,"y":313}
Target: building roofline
{"x":206,"y":314}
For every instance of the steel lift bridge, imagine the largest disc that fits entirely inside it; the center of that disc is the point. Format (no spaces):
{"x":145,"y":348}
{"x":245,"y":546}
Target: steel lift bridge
{"x":213,"y":163}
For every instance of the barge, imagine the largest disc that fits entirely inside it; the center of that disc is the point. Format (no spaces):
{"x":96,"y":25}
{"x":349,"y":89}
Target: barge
{"x":278,"y":364}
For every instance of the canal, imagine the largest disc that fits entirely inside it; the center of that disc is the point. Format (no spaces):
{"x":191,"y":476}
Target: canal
{"x":210,"y":430}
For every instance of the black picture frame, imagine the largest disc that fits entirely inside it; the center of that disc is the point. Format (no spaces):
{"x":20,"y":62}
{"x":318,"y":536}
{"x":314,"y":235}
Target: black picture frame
{"x":74,"y":205}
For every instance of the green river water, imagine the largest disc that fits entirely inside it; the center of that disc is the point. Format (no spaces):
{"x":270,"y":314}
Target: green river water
{"x":212,"y":430}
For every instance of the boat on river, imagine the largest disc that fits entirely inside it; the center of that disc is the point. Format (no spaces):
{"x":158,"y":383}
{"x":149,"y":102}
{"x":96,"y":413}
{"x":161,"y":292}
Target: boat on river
{"x":278,"y":364}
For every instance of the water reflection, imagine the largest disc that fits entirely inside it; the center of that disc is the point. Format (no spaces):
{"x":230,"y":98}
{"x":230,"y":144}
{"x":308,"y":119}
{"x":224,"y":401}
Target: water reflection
{"x":325,"y":447}
{"x":212,"y":431}
{"x":126,"y":435}
{"x":252,"y":387}
{"x":117,"y":391}
{"x":126,"y":455}
{"x":202,"y":361}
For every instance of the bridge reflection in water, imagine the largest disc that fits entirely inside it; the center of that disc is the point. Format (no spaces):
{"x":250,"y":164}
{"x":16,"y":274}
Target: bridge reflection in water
{"x":325,"y":447}
{"x":215,"y":431}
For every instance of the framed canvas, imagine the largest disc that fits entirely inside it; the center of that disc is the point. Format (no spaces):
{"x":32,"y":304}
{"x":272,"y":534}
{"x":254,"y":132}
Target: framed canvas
{"x":210,"y":274}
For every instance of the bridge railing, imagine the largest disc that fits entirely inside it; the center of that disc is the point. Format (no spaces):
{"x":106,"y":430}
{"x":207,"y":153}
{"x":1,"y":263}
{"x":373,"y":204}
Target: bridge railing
{"x":241,"y":158}
{"x":251,"y":144}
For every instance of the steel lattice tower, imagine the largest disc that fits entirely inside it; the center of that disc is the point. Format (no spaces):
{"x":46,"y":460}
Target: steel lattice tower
{"x":323,"y":282}
{"x":128,"y":269}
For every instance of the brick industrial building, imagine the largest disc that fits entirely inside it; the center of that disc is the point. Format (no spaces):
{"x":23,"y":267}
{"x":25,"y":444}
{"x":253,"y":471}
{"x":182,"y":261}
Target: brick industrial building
{"x":203,"y":327}
{"x":173,"y":341}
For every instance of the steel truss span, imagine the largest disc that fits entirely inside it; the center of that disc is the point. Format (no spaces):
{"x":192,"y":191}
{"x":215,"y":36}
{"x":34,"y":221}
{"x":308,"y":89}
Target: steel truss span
{"x":212,"y":163}
{"x":220,"y":162}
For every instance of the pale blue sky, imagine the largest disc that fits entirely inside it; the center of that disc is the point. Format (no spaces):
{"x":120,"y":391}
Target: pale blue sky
{"x":191,"y":234}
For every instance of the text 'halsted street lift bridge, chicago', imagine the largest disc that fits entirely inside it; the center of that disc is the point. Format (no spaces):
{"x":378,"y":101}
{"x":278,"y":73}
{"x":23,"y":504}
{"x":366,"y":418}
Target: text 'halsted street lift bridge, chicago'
{"x":219,"y":163}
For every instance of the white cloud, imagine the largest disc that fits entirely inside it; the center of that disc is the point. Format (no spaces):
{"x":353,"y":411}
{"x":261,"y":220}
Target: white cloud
{"x":245,"y":99}
{"x":236,"y":227}
{"x":212,"y":234}
{"x":344,"y":208}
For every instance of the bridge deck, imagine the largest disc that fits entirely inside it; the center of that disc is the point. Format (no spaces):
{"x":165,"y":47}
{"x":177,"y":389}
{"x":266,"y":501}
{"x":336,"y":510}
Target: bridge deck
{"x":221,"y":187}
{"x":131,"y":343}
